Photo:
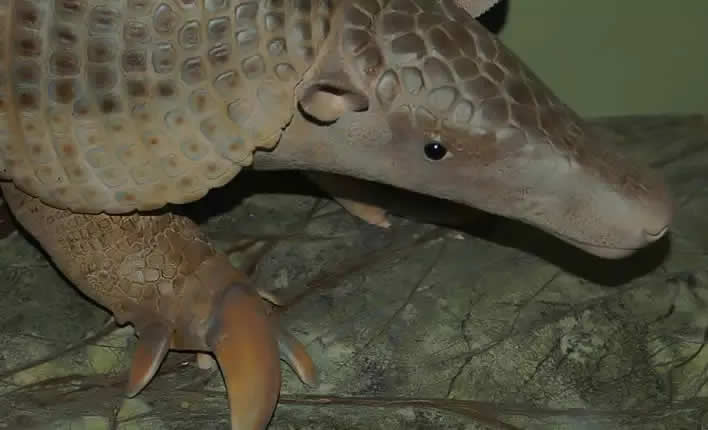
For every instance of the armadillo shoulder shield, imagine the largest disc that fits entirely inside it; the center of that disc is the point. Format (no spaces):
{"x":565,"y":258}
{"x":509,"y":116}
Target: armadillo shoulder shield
{"x":112,"y":106}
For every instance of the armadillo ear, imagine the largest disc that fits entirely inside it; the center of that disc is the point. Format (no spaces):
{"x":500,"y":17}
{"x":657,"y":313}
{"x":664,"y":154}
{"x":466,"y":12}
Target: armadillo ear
{"x":153,"y":344}
{"x":476,"y":7}
{"x":327,"y":102}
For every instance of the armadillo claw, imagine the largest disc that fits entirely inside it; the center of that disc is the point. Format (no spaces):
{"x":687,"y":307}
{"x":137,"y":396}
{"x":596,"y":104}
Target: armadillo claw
{"x":153,"y":344}
{"x":245,"y":344}
{"x":353,"y":195}
{"x":295,"y":354}
{"x":373,"y":215}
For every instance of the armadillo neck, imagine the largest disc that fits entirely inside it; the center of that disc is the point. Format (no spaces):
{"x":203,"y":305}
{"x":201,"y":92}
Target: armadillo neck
{"x":131,"y":104}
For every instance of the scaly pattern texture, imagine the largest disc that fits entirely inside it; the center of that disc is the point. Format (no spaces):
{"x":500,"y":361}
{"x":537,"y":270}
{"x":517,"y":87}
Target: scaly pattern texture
{"x":135,"y":265}
{"x":441,"y":68}
{"x":131,"y":104}
{"x":433,"y":67}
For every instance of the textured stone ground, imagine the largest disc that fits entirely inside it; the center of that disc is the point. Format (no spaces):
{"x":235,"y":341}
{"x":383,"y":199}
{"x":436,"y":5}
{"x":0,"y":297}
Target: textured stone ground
{"x":417,"y":327}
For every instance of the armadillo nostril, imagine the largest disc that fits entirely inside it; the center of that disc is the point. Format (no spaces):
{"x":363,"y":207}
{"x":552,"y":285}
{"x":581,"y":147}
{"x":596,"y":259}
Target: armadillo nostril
{"x":652,"y":237}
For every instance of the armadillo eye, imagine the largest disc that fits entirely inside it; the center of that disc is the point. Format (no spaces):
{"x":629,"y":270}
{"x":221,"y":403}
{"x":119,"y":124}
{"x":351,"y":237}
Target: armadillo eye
{"x":435,"y":151}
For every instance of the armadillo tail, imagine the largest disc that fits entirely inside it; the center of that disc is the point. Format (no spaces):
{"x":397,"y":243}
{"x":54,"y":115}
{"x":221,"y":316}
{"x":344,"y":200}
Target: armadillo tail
{"x":245,"y":343}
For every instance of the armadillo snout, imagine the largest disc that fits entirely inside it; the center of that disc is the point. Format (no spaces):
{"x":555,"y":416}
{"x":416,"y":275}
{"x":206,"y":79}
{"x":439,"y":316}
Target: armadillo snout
{"x":608,"y":220}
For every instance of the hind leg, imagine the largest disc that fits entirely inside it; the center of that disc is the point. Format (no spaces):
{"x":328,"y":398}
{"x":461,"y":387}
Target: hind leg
{"x":163,"y":275}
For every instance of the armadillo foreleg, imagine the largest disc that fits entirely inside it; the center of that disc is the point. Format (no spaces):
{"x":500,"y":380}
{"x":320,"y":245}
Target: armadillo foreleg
{"x":353,"y":195}
{"x":161,"y":274}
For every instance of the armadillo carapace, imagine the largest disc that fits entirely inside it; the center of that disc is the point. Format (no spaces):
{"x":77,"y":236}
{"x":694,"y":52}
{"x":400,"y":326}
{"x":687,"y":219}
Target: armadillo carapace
{"x":130,"y":104}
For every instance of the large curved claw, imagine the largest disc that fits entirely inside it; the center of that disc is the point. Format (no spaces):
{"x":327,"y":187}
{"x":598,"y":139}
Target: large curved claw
{"x":294,"y":353}
{"x":153,"y":344}
{"x":245,"y":344}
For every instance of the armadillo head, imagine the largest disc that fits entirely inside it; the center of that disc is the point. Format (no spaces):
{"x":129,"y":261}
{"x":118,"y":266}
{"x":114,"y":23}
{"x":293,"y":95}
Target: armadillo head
{"x":419,"y":95}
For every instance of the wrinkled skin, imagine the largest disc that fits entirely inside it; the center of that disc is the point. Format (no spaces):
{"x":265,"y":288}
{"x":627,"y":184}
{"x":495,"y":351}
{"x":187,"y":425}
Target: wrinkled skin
{"x":404,"y":92}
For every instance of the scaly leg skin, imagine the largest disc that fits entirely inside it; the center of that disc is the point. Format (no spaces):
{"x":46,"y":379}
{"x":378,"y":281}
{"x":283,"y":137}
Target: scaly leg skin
{"x":161,"y":274}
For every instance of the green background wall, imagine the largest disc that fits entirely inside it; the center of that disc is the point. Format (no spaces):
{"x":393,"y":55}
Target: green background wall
{"x":615,"y":57}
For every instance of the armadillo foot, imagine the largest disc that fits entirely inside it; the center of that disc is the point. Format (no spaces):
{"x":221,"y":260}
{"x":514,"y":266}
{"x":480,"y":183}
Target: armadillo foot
{"x":292,"y":351}
{"x":373,"y":215}
{"x":153,"y":344}
{"x":353,"y":195}
{"x":248,"y":345}
{"x":161,"y":274}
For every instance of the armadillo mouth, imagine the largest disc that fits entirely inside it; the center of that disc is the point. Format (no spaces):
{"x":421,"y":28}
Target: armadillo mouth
{"x":652,"y":237}
{"x":608,"y":252}
{"x":613,"y":252}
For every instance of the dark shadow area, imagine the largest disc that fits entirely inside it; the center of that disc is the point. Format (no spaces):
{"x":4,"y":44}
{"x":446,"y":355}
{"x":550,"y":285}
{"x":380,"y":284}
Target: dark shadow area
{"x":495,"y":18}
{"x":425,"y":209}
{"x":247,"y":183}
{"x":610,"y":273}
{"x":7,"y":224}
